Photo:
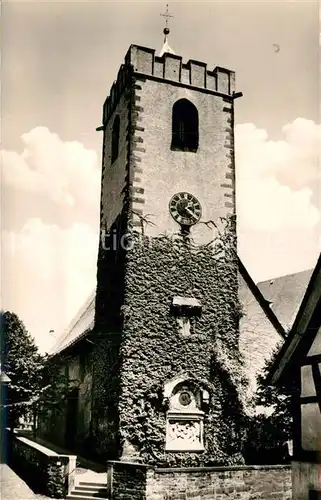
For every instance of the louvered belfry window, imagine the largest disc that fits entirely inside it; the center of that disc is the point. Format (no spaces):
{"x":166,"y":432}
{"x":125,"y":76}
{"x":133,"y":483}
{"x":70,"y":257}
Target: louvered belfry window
{"x":185,"y":136}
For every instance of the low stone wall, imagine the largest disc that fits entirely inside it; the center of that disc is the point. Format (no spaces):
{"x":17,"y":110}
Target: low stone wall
{"x":306,"y":481}
{"x":129,"y":481}
{"x":44,"y":470}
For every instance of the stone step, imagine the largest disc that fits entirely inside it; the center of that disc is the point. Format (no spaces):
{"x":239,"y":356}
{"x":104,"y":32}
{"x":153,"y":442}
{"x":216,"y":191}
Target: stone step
{"x":94,"y":493}
{"x":92,"y":484}
{"x":84,"y":497}
{"x":93,"y":488}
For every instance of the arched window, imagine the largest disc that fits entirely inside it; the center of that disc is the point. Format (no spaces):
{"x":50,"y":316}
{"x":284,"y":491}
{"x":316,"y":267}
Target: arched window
{"x":115,"y":139}
{"x":184,"y":126}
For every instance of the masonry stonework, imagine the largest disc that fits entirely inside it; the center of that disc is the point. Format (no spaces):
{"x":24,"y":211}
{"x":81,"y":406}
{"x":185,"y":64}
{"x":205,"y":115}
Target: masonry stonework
{"x":209,"y":173}
{"x":114,"y":175}
{"x":134,"y":482}
{"x":139,"y":346}
{"x":163,"y":379}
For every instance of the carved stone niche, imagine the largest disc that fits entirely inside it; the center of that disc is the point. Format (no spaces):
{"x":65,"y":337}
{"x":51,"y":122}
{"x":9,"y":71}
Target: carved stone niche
{"x":184,"y":422}
{"x":185,"y":308}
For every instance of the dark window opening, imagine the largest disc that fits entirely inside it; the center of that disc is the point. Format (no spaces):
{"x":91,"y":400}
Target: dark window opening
{"x":115,"y":139}
{"x":184,"y":126}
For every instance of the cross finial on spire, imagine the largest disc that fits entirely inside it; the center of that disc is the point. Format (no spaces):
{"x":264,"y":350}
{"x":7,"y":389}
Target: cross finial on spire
{"x":166,"y":48}
{"x":167,"y":15}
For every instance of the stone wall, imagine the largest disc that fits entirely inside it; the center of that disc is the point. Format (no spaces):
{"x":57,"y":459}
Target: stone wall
{"x":306,"y":477}
{"x":126,"y":481}
{"x":114,"y":174}
{"x":211,"y":483}
{"x":44,"y":470}
{"x":171,"y":68}
{"x":208,"y":173}
{"x":140,"y":343}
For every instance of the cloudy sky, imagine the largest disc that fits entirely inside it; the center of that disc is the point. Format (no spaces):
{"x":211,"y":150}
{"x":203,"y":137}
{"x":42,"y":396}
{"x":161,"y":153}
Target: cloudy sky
{"x":59,"y":61}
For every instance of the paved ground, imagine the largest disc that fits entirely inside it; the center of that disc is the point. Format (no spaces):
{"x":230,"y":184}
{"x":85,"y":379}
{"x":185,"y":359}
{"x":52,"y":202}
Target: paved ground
{"x":12,"y":487}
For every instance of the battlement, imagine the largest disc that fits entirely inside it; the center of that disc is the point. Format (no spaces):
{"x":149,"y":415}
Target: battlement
{"x":169,"y":67}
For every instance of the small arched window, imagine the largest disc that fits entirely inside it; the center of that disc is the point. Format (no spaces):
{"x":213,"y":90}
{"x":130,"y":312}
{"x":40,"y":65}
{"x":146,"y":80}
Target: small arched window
{"x":184,"y":126}
{"x":115,"y":139}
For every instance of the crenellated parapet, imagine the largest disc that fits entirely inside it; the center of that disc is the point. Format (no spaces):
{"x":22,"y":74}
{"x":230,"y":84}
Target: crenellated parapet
{"x":116,"y":90}
{"x":170,"y":68}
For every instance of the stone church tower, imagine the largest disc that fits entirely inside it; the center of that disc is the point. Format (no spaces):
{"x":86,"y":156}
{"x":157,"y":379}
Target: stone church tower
{"x":168,"y":384}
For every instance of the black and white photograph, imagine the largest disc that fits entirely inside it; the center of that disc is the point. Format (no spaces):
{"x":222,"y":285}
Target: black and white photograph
{"x":160,"y":250}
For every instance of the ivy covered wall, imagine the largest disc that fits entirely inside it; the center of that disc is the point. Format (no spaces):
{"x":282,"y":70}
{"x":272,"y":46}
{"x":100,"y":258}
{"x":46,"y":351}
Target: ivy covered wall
{"x":153,"y":350}
{"x":133,"y":362}
{"x":139,"y":347}
{"x":105,"y":396}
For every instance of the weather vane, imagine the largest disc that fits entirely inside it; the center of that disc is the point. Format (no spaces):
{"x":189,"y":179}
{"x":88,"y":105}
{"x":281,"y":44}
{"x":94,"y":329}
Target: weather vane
{"x":167,"y":15}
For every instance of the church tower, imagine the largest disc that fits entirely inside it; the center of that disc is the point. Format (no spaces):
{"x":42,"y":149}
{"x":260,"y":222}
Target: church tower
{"x":168,"y":385}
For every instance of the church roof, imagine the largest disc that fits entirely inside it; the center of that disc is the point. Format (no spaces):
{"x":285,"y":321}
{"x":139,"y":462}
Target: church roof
{"x":80,"y":326}
{"x":84,"y":321}
{"x":4,"y":379}
{"x":302,"y":328}
{"x":260,"y":298}
{"x":259,"y":329}
{"x":285,"y":294}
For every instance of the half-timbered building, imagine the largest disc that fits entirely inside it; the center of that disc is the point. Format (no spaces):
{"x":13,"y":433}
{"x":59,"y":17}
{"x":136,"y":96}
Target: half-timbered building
{"x":299,"y":362}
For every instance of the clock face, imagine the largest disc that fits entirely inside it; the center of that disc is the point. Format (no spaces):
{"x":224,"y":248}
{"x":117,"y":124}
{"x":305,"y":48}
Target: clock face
{"x":185,"y":209}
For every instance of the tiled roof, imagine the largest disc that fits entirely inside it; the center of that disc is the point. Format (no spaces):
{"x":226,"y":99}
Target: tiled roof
{"x":304,"y":329}
{"x":81,"y":324}
{"x":285,"y":294}
{"x":260,"y":331}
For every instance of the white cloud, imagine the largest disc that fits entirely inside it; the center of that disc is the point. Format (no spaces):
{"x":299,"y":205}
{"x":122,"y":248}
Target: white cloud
{"x":266,"y":204}
{"x":294,"y":161}
{"x":277,"y":185}
{"x":48,"y":272}
{"x":66,"y":172}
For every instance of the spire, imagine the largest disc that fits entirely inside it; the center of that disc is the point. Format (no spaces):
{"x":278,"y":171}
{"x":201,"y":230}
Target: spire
{"x":166,"y":47}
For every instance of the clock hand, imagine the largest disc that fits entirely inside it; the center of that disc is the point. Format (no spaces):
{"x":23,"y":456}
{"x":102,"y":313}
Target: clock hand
{"x":191,"y":213}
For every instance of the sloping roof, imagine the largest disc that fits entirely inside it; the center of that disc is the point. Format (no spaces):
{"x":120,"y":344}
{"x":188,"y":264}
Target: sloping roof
{"x":4,"y":379}
{"x":299,"y":330}
{"x":279,"y":298}
{"x":260,"y":332}
{"x":285,"y":294}
{"x":261,"y":300}
{"x":166,"y":49}
{"x":81,"y":324}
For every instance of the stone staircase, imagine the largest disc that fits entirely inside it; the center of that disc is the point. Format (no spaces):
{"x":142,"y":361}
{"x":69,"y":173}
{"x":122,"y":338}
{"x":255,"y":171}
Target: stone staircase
{"x":88,"y":490}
